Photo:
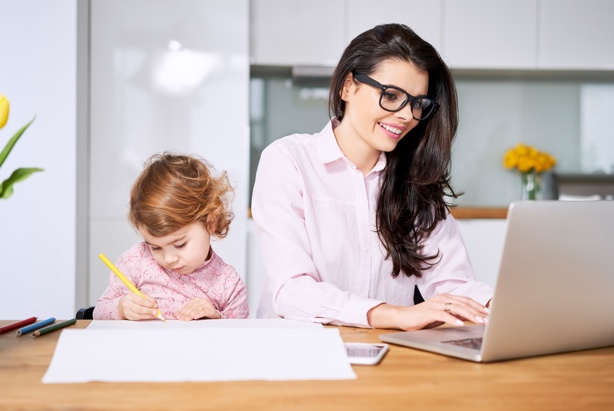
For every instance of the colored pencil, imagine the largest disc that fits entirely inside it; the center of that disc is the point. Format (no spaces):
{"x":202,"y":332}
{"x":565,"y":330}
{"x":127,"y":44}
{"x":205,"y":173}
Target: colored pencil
{"x":54,"y":327}
{"x":16,"y":325}
{"x":125,"y":280}
{"x":35,"y":326}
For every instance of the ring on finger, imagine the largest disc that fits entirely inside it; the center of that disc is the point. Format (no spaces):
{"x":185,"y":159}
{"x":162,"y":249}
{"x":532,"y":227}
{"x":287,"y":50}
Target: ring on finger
{"x":448,"y":308}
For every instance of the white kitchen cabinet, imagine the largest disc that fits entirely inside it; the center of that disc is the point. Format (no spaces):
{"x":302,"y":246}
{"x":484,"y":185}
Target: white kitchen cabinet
{"x":485,"y":34}
{"x":424,"y":17}
{"x":484,"y":240}
{"x":576,"y":35}
{"x":297,"y":32}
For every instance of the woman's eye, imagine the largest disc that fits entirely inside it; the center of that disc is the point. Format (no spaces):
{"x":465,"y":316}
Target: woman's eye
{"x":390,"y":96}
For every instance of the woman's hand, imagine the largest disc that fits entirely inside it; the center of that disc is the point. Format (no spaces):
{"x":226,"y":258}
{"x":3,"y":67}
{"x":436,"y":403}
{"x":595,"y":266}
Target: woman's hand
{"x":134,"y":307}
{"x":198,"y":308}
{"x":443,"y":308}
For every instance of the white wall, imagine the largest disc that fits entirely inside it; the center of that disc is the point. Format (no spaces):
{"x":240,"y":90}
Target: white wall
{"x":166,"y":75}
{"x":46,"y":246}
{"x":39,"y":73}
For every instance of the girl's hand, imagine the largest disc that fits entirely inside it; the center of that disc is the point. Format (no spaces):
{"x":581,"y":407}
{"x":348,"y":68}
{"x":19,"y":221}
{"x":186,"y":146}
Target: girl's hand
{"x":443,"y":308}
{"x":198,"y":308}
{"x":134,"y":307}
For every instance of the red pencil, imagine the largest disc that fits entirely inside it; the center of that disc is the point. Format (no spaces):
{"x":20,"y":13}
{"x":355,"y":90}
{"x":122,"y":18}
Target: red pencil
{"x":18,"y":324}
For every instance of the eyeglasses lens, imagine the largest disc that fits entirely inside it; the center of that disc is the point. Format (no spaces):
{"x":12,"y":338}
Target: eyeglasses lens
{"x":393,"y":100}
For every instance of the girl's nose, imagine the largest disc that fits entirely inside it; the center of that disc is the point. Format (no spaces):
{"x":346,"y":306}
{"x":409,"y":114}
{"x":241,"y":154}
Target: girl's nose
{"x":170,"y":258}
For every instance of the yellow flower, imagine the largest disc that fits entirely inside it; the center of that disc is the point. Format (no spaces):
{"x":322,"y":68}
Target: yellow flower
{"x":527,"y":159}
{"x":4,"y":110}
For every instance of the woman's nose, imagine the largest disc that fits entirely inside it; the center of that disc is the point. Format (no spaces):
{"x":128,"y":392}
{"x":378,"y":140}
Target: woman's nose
{"x":405,"y":114}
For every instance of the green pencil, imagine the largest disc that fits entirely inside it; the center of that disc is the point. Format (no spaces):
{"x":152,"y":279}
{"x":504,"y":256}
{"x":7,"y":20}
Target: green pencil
{"x":54,"y":327}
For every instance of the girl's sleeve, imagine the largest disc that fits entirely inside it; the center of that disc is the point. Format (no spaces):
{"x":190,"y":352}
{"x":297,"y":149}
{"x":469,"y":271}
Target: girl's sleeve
{"x":235,"y":304}
{"x":107,"y":305}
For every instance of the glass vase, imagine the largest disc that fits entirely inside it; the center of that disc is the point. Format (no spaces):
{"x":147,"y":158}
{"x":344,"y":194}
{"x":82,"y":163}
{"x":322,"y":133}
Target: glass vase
{"x":531,"y":186}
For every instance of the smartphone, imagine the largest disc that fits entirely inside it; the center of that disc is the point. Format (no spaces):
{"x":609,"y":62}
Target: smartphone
{"x":365,"y":353}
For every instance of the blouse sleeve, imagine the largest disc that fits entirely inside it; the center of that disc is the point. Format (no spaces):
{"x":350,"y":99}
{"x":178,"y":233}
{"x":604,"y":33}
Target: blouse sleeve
{"x":453,"y":273}
{"x":293,"y":283}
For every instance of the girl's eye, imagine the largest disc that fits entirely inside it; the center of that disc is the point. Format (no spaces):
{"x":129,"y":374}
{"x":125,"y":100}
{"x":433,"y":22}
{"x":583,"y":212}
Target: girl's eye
{"x":154,"y":248}
{"x":180,"y":245}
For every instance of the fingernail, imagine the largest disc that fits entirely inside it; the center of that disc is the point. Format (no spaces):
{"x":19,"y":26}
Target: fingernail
{"x":479,"y":319}
{"x":459,"y":322}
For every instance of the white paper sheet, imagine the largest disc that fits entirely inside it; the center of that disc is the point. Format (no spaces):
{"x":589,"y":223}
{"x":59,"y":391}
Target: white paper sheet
{"x":175,"y":324}
{"x":198,"y":354}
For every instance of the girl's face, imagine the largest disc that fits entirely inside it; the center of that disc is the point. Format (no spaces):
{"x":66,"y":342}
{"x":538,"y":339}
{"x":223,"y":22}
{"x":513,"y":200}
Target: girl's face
{"x":182,"y":251}
{"x":374,"y":128}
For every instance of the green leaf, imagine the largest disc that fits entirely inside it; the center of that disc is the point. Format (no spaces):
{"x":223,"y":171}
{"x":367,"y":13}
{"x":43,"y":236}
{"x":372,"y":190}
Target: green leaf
{"x":12,"y":141}
{"x":6,"y":189}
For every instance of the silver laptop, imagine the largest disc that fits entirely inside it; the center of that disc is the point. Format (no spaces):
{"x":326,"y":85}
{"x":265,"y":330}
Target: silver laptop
{"x":554,"y":292}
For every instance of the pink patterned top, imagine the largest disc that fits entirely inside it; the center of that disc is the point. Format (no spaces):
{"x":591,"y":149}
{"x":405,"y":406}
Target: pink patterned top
{"x":215,"y":280}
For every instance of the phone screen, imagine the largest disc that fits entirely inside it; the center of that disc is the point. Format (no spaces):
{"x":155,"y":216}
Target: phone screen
{"x":365,"y":353}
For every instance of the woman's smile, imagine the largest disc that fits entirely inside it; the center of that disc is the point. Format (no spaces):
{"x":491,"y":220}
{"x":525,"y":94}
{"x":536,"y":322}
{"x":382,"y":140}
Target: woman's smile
{"x":392,"y":131}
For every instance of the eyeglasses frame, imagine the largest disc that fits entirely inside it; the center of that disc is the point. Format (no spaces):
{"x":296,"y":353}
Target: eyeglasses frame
{"x":365,"y":79}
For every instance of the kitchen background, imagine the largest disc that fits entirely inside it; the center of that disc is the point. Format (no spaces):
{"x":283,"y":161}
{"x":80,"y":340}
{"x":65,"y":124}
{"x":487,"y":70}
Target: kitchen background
{"x":113,"y":81}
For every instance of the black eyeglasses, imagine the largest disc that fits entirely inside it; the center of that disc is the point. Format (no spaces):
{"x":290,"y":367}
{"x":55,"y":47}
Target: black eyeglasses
{"x":394,"y":99}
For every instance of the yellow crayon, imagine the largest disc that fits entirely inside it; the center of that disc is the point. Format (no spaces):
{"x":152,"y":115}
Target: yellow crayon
{"x":124,"y":279}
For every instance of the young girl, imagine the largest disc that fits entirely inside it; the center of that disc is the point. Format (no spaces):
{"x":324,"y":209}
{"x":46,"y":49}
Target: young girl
{"x":176,"y":205}
{"x":353,"y":220}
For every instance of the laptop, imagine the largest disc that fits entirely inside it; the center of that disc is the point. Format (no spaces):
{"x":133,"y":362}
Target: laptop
{"x":554,"y":291}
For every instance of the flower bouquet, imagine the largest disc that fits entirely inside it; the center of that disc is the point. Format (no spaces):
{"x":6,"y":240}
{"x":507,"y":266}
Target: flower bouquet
{"x":530,"y":162}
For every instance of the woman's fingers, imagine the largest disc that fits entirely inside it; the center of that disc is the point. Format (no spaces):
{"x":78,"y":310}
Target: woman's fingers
{"x":461,"y":308}
{"x":443,"y":308}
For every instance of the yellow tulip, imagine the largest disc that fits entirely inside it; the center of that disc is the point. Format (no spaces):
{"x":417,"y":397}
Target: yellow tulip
{"x":4,"y":110}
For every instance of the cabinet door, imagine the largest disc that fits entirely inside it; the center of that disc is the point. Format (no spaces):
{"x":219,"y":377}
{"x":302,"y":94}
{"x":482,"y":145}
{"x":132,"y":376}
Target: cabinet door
{"x":490,"y":34}
{"x":576,"y":35}
{"x":297,"y":32}
{"x":424,"y":17}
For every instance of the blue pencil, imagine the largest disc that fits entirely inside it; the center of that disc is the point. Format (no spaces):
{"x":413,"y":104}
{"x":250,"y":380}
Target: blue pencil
{"x":36,"y":326}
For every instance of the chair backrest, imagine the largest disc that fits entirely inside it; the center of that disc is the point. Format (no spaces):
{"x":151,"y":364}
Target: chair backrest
{"x":86,"y":313}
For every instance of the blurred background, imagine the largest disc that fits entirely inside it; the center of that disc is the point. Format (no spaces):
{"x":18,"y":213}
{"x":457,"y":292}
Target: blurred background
{"x":112,"y":82}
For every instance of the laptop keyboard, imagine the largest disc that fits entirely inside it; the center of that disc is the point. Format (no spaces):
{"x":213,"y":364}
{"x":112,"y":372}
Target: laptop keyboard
{"x":475,"y":343}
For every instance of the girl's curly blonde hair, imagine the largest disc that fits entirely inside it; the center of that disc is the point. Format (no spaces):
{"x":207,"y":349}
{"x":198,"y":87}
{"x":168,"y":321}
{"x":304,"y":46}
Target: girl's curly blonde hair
{"x":175,"y":190}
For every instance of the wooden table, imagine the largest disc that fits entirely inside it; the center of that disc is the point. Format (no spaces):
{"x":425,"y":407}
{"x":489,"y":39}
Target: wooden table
{"x":406,"y":380}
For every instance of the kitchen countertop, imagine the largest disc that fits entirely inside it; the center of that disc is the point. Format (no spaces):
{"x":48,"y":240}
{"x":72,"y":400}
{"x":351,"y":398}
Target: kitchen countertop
{"x":466,"y":212}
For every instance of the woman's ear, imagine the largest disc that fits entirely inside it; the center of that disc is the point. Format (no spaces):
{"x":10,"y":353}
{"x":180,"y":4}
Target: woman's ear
{"x":348,"y":87}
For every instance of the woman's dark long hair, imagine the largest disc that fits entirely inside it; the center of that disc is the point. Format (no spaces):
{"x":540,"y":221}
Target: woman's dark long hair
{"x":417,"y":174}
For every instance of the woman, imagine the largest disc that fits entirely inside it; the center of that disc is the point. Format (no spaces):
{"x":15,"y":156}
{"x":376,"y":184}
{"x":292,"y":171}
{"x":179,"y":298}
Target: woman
{"x":353,"y":218}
